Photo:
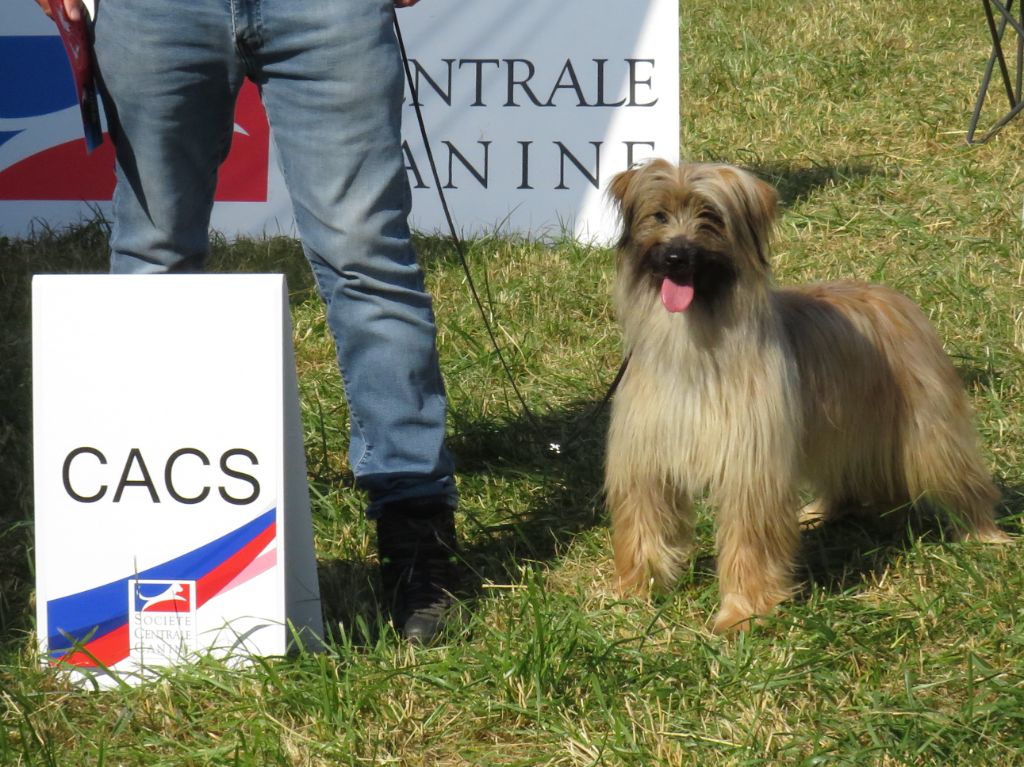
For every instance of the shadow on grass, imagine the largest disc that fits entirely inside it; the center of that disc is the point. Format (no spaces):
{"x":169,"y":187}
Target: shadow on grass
{"x":495,"y":548}
{"x":859,"y":545}
{"x":850,"y":551}
{"x":572,"y":474}
{"x":795,"y":184}
{"x":977,"y":376}
{"x":351,"y":600}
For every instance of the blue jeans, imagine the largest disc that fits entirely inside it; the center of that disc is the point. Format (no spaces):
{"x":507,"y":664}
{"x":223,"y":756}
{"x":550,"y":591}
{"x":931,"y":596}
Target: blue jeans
{"x":331,"y":81}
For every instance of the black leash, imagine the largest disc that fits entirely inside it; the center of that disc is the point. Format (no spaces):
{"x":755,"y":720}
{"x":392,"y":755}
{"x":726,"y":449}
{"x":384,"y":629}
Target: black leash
{"x":460,"y":248}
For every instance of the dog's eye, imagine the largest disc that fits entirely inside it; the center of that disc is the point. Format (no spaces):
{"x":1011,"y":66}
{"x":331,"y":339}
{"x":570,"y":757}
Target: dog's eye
{"x":709,"y":218}
{"x":661,"y":217}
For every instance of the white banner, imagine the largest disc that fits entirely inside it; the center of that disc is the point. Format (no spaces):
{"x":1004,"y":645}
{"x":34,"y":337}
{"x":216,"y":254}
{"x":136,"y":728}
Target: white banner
{"x":530,"y":107}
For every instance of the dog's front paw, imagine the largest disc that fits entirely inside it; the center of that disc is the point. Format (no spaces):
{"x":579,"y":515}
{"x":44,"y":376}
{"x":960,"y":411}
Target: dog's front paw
{"x":991,"y":534}
{"x":734,"y":615}
{"x":737,"y":611}
{"x":636,"y":585}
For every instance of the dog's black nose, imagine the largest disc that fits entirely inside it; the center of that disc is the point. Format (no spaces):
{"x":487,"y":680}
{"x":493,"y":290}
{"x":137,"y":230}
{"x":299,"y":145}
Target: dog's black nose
{"x":678,"y":257}
{"x":675,"y":255}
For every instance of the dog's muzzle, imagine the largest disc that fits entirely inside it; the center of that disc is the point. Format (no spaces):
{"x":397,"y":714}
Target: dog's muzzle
{"x":675,"y":259}
{"x":685,"y":271}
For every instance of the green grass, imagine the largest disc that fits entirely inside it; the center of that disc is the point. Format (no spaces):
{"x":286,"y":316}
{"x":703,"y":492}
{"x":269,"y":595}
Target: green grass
{"x":898,"y":650}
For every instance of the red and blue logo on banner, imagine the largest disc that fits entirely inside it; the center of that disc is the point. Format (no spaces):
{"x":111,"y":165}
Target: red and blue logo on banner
{"x":42,"y":152}
{"x":90,"y":628}
{"x":162,"y":597}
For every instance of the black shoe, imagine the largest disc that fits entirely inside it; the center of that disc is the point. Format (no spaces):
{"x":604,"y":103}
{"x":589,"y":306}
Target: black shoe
{"x":418,"y":566}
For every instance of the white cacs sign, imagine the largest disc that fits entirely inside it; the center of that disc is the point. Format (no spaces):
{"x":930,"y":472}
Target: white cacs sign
{"x":530,"y":106}
{"x":172,"y":511}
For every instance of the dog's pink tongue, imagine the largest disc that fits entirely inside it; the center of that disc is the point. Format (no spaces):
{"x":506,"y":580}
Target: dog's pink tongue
{"x":676,"y":297}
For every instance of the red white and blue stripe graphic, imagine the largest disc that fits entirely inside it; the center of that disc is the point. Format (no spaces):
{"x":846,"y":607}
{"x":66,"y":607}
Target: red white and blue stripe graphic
{"x":43,"y":156}
{"x":91,"y":627}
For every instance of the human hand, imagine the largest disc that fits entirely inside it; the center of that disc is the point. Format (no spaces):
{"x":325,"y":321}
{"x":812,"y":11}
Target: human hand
{"x":398,"y":3}
{"x":73,"y":8}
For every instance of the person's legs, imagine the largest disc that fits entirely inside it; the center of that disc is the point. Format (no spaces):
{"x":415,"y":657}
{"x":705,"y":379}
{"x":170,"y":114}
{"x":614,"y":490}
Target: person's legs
{"x":332,"y":86}
{"x":169,"y":78}
{"x":331,"y":81}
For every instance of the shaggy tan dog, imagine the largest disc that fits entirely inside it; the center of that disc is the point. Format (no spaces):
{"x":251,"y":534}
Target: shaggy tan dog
{"x":745,"y":392}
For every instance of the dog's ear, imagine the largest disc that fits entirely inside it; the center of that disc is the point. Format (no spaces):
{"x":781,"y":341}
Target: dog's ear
{"x":762,"y":204}
{"x":619,"y":185}
{"x":618,"y":193}
{"x":769,"y":199}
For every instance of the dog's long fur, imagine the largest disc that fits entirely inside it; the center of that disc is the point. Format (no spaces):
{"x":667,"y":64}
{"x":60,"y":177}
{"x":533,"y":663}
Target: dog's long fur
{"x":753,"y":390}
